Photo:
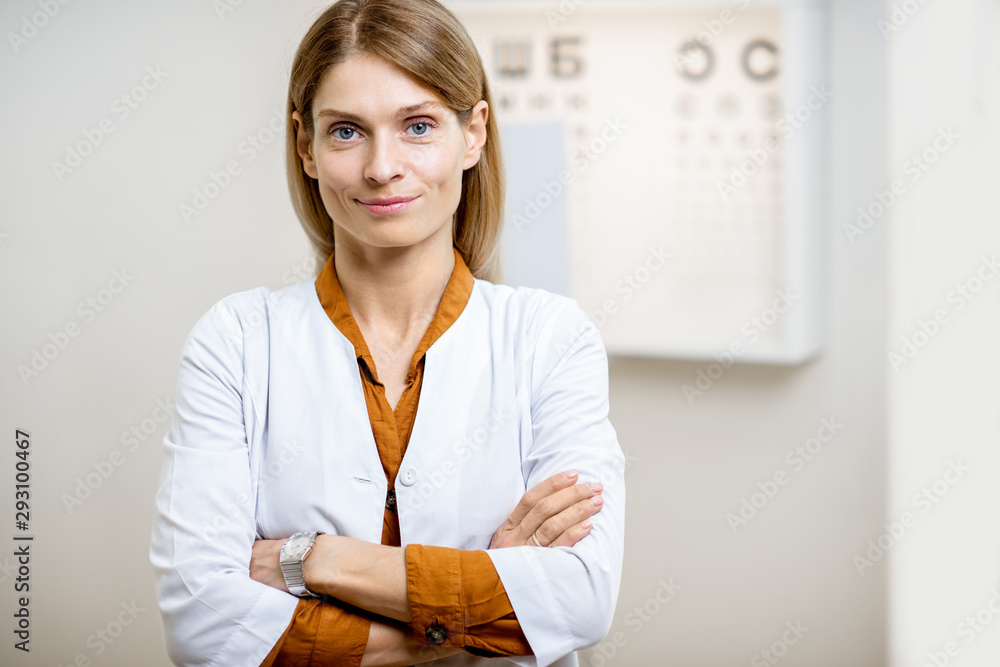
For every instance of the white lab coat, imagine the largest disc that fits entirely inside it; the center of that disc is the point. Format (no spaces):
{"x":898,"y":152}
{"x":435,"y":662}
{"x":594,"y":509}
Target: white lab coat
{"x":271,"y":436}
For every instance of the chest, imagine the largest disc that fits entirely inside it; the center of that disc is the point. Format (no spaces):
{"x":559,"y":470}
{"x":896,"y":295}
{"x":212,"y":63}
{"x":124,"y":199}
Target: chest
{"x":392,"y":367}
{"x":317,"y":466}
{"x":392,"y":357}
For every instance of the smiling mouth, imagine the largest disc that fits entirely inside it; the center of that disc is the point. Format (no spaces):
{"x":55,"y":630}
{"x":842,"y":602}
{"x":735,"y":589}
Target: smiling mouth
{"x":387,"y":205}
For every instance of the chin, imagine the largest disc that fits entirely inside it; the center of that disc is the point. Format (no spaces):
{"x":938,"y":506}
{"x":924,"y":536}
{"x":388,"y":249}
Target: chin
{"x":397,"y":238}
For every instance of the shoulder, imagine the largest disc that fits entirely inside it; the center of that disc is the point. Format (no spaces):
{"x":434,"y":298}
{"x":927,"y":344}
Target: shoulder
{"x":236,"y":317}
{"x":550,"y":324}
{"x":530,"y":303}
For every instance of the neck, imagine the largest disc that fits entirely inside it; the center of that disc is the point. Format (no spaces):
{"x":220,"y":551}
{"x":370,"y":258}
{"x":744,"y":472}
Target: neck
{"x":395,"y":291}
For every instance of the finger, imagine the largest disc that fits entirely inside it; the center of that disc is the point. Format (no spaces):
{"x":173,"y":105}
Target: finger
{"x":544,"y":488}
{"x":573,"y":534}
{"x":552,"y":528}
{"x":552,"y":505}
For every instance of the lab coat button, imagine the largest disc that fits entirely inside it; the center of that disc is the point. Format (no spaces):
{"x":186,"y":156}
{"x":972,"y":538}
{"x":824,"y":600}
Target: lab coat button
{"x":390,"y":500}
{"x":436,"y":634}
{"x":408,"y":477}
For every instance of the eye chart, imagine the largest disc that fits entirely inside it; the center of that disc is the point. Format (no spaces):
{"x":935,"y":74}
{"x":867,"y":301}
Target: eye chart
{"x":692,"y":179}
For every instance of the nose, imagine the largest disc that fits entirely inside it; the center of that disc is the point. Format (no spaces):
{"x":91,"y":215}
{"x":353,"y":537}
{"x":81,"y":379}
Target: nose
{"x":385,"y":161}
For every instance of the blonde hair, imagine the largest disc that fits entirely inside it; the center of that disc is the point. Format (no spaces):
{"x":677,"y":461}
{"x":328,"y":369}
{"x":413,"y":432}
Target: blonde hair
{"x":427,"y":41}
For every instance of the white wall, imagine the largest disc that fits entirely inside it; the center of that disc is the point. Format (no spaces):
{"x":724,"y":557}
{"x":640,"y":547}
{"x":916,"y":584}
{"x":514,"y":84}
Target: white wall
{"x":945,"y":401}
{"x":119,"y":210}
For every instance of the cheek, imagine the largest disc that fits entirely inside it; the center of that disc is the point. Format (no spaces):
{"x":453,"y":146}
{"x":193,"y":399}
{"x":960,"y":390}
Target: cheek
{"x":338,"y":170}
{"x":438,"y":164}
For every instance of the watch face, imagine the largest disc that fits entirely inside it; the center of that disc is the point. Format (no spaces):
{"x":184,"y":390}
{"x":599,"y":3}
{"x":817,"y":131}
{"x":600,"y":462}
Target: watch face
{"x":297,"y":544}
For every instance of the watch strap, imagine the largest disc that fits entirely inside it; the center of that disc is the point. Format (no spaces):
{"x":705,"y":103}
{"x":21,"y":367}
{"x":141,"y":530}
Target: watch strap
{"x":291,"y":567}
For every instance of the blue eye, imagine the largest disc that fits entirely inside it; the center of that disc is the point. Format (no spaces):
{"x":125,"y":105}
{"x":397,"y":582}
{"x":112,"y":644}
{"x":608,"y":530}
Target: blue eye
{"x":349,"y":133}
{"x":422,"y":128}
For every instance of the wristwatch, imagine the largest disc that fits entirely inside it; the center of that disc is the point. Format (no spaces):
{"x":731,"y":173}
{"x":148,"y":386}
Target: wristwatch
{"x":293,"y":553}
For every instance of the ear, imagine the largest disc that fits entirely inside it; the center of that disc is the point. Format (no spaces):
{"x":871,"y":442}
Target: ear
{"x":475,"y":134}
{"x":303,"y":145}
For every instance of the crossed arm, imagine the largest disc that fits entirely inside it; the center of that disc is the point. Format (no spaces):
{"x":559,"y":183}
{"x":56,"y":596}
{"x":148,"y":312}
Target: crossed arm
{"x":203,"y":536}
{"x":373,"y":577}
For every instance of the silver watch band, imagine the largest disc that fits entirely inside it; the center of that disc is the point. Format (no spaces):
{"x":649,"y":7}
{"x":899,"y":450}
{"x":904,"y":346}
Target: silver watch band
{"x":291,"y":564}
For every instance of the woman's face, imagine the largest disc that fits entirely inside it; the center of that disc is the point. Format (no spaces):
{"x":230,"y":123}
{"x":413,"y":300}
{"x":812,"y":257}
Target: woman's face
{"x":388,"y":155}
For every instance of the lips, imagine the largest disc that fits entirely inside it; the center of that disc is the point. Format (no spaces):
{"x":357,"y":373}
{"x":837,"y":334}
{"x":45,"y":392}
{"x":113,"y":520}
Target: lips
{"x":386,"y":205}
{"x":386,"y":201}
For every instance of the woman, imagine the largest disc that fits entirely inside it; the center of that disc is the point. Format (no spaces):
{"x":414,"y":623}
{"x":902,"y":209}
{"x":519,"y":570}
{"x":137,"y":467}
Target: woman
{"x":308,"y":513}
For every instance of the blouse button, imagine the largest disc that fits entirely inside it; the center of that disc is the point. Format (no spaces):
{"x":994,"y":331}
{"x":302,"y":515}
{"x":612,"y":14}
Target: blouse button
{"x":390,"y":500}
{"x":436,"y":634}
{"x":408,"y":477}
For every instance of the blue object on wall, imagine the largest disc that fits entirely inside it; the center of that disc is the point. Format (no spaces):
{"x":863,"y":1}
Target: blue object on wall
{"x":535,"y":241}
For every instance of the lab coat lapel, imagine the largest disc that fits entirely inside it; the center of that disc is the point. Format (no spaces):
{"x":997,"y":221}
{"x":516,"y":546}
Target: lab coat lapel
{"x":463,"y":448}
{"x":332,"y":480}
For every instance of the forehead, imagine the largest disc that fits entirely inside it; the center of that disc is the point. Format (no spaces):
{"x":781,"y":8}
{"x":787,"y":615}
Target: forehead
{"x":369,"y":86}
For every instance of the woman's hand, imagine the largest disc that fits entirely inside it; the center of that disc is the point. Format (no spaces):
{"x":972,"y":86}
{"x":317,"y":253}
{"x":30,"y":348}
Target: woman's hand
{"x":265,"y":564}
{"x":556,"y":512}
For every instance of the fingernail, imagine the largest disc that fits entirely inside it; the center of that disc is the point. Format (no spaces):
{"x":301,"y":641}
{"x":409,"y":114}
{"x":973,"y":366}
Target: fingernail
{"x":595,"y":487}
{"x":586,"y":525}
{"x":597,"y":500}
{"x":570,"y":474}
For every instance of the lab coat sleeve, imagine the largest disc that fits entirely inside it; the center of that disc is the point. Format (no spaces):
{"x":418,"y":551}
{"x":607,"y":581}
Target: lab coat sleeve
{"x":212,"y":612}
{"x":565,"y":597}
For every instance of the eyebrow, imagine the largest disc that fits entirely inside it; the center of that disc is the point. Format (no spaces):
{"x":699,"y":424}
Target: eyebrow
{"x":402,"y":113}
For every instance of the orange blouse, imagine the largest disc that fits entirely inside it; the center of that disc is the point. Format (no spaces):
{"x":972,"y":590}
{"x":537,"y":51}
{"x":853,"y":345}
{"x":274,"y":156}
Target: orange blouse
{"x":458,"y":591}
